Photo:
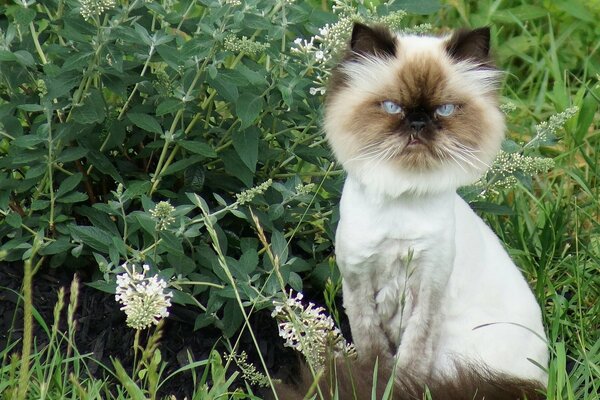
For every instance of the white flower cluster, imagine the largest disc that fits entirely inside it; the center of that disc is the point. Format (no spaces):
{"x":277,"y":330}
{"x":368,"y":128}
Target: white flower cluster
{"x":89,"y":8}
{"x":507,"y":108}
{"x":302,"y":189}
{"x":545,"y":131}
{"x":244,"y":45}
{"x":162,"y":213}
{"x":144,"y":299}
{"x":248,"y":195}
{"x":507,"y":165}
{"x":309,"y":330}
{"x":249,"y":371}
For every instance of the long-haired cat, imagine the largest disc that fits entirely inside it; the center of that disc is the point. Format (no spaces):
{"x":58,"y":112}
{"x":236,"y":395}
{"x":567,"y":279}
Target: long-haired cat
{"x":428,"y":288}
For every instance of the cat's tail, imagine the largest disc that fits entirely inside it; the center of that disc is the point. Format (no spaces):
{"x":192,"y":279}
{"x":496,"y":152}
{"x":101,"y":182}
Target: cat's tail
{"x":354,"y":380}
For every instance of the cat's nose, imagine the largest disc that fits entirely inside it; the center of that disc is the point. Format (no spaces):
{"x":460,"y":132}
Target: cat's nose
{"x":417,"y":126}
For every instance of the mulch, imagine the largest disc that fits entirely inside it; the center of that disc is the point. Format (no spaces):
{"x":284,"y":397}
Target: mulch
{"x":101,"y":330}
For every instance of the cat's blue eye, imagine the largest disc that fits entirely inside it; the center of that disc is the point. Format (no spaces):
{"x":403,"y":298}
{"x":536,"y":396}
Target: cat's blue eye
{"x":445,"y":110}
{"x":390,"y":107}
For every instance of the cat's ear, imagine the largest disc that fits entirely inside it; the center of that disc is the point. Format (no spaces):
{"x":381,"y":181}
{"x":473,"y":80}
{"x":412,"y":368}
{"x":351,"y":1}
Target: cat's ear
{"x":472,"y":45}
{"x":376,"y":41}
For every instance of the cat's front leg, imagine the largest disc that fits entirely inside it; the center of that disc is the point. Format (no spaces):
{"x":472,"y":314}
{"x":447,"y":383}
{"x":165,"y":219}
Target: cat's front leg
{"x":418,"y":345}
{"x":367,"y":329}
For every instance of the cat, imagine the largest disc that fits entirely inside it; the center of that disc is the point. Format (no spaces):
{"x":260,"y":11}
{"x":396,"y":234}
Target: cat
{"x":428,"y":288}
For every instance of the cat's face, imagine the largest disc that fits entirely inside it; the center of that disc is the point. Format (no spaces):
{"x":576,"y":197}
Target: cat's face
{"x":414,"y":113}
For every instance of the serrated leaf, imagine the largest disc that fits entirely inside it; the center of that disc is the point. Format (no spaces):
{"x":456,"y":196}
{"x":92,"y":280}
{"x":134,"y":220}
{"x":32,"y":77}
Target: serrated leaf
{"x":225,"y":89}
{"x":69,"y":184}
{"x":246,"y":145}
{"x":279,"y":246}
{"x":248,"y":108}
{"x":249,"y":261}
{"x":92,"y":110}
{"x":31,"y":107}
{"x":169,"y":106}
{"x":103,"y":164}
{"x":71,"y":154}
{"x":142,"y":34}
{"x":203,"y":149}
{"x":170,"y":243}
{"x":24,"y":16}
{"x":7,"y":55}
{"x":28,"y":141}
{"x":58,"y":86}
{"x":14,"y":220}
{"x":93,"y":237}
{"x":193,"y":178}
{"x":75,"y":197}
{"x":146,"y":222}
{"x":61,"y":245}
{"x":182,"y":164}
{"x":236,"y":167}
{"x":146,"y":122}
{"x":24,"y":58}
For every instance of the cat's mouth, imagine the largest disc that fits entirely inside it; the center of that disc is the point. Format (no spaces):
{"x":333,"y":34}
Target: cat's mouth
{"x":414,"y":141}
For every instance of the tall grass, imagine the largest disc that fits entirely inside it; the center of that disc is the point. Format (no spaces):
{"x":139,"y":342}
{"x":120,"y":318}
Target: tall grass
{"x":550,"y":53}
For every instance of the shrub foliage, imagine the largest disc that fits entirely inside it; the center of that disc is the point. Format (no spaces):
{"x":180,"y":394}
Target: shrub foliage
{"x":109,"y":109}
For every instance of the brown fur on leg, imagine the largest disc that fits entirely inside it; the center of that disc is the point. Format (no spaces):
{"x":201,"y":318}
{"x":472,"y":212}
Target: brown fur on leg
{"x":353,"y":380}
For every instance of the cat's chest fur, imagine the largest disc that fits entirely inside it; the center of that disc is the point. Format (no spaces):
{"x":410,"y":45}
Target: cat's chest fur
{"x":422,"y":275}
{"x":389,"y":250}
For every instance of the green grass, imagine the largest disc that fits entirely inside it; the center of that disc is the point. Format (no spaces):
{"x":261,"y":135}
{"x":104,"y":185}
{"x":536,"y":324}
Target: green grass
{"x":550,"y":53}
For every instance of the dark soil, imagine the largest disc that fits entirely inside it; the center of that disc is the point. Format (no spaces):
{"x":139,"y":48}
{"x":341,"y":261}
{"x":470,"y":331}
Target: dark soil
{"x":101,"y":329}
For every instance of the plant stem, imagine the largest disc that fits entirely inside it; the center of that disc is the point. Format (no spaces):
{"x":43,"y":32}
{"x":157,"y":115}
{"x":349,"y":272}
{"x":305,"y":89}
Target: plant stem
{"x":223,"y":264}
{"x":27,"y":321}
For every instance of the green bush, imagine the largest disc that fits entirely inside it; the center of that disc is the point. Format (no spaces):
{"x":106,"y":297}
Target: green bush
{"x":109,"y":109}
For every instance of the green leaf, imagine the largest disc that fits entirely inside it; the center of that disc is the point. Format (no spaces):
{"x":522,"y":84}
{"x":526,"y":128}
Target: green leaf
{"x":236,"y":167}
{"x":246,"y":145}
{"x":69,"y":184}
{"x":24,"y":16}
{"x":58,"y":86}
{"x":279,"y":246}
{"x":94,"y":237}
{"x":103,"y":164}
{"x":232,"y":318}
{"x":203,"y":149}
{"x":75,"y":197}
{"x":14,"y":220}
{"x":61,"y":245}
{"x":7,"y":55}
{"x":585,"y":117}
{"x":93,"y":109}
{"x":169,"y":106}
{"x":28,"y":141}
{"x":248,"y":108}
{"x":194,"y":177}
{"x":143,"y":34}
{"x":182,"y":164}
{"x":225,"y":89}
{"x":145,"y":221}
{"x":72,"y":154}
{"x":145,"y":122}
{"x":170,"y":243}
{"x":422,"y":7}
{"x":31,"y":107}
{"x":134,"y":391}
{"x":24,"y":58}
{"x":249,"y":261}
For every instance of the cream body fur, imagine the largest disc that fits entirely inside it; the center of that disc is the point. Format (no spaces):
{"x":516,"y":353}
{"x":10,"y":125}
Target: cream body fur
{"x":426,"y":283}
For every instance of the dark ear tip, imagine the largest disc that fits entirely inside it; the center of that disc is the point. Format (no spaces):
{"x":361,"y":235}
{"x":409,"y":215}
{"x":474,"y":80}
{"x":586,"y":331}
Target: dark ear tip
{"x":359,"y":28}
{"x":484,"y":31}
